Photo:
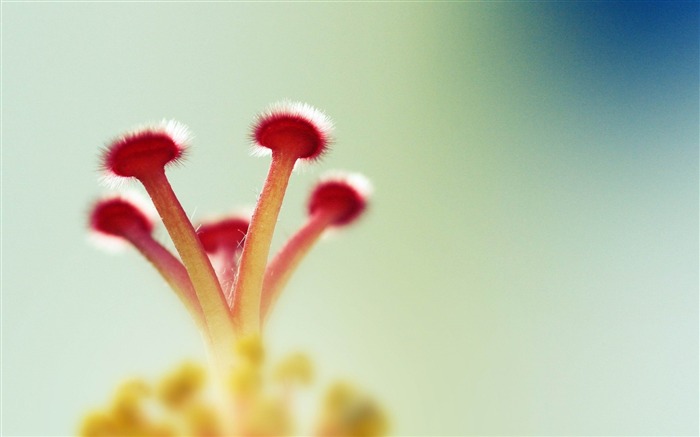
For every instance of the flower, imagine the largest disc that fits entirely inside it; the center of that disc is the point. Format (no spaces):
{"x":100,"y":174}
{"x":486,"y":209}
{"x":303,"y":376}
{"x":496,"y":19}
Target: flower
{"x":224,"y":278}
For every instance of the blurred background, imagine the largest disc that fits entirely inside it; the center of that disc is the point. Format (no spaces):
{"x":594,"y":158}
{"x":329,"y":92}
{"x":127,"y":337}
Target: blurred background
{"x":530,"y":262}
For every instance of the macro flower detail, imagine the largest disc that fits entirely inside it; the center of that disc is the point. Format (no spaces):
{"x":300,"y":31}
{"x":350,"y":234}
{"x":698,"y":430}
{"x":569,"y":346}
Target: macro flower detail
{"x":228,"y":282}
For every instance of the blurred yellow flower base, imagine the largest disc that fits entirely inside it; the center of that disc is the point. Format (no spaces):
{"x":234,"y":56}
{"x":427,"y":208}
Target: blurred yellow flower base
{"x":261,"y":398}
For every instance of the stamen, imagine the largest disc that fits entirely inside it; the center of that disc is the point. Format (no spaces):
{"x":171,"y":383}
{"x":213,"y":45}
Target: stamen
{"x":292,"y":132}
{"x":338,"y":200}
{"x":120,"y":218}
{"x":144,"y":154}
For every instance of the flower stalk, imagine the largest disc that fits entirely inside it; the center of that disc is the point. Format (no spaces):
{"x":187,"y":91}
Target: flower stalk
{"x":199,"y":268}
{"x":290,"y":132}
{"x":248,"y":288}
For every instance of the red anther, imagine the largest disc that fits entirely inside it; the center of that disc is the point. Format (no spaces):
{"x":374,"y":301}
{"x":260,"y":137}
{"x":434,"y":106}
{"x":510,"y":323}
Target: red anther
{"x":146,"y":150}
{"x":117,"y":216}
{"x":345,"y":195}
{"x":295,"y":128}
{"x":225,"y":234}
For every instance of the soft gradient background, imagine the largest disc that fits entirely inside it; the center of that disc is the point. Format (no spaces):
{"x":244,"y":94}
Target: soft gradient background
{"x":530,"y":263}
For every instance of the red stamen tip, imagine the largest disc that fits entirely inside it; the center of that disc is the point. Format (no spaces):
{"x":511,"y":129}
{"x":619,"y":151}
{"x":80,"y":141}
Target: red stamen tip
{"x":293,"y":127}
{"x":228,"y":233}
{"x":145,"y":150}
{"x":347,"y":194}
{"x":117,"y":216}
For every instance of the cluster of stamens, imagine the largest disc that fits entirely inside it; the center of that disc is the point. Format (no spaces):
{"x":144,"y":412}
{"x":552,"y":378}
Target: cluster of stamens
{"x":225,"y":277}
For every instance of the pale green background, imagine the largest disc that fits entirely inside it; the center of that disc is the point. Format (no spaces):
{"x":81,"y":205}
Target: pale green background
{"x":530,"y":262}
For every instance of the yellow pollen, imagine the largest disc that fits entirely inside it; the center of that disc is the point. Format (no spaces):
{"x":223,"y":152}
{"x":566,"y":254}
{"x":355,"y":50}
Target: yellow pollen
{"x":295,"y":368}
{"x":250,"y":348}
{"x":181,"y":386}
{"x":349,"y":413}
